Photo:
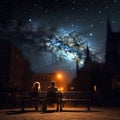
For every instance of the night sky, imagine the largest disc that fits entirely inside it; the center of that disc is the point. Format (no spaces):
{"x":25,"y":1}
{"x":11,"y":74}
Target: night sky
{"x":52,"y":34}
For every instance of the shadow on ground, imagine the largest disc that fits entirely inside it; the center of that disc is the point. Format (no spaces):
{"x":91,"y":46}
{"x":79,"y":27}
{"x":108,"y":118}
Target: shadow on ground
{"x":11,"y":112}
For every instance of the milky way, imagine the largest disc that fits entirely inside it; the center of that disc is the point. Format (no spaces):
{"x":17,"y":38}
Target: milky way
{"x":52,"y":34}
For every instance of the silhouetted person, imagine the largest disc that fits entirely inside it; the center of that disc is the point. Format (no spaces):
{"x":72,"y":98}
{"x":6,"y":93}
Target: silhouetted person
{"x":51,"y":95}
{"x":35,"y":90}
{"x":52,"y":88}
{"x":35,"y":94}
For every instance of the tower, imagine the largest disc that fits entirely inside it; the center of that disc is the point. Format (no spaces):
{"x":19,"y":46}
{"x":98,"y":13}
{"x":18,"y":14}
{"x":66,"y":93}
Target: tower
{"x":112,"y":42}
{"x":77,"y":68}
{"x":87,"y":60}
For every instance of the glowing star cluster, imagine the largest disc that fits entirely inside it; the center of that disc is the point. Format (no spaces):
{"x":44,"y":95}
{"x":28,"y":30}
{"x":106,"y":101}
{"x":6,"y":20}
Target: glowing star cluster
{"x":64,"y":44}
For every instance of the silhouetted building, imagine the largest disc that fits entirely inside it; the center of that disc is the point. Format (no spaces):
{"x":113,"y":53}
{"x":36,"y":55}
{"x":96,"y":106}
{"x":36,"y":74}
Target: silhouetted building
{"x":5,"y":53}
{"x":14,"y":69}
{"x":101,"y":78}
{"x":88,"y":59}
{"x":20,"y":74}
{"x":112,"y":56}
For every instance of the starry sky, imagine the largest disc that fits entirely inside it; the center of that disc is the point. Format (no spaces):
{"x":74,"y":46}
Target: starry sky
{"x":52,"y":34}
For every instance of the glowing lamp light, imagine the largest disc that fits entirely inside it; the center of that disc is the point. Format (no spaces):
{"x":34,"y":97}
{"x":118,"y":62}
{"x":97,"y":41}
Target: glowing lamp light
{"x":59,"y":76}
{"x":60,"y":89}
{"x":95,"y":88}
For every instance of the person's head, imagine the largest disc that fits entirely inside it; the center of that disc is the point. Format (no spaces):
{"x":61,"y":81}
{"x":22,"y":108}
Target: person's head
{"x":36,"y":84}
{"x":52,"y":83}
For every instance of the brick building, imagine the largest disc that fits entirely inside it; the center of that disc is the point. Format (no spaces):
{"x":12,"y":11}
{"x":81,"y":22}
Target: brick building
{"x":14,"y":69}
{"x":20,"y":74}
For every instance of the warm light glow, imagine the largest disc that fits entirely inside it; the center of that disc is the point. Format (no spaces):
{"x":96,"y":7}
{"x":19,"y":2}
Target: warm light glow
{"x":59,"y":76}
{"x":72,"y":88}
{"x":60,"y":89}
{"x":95,"y":88}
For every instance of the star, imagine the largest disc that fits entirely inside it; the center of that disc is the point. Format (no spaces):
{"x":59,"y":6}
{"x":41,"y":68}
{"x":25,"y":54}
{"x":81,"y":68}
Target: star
{"x":91,"y":25}
{"x":113,"y":21}
{"x":99,"y":11}
{"x":30,"y":20}
{"x":90,"y":34}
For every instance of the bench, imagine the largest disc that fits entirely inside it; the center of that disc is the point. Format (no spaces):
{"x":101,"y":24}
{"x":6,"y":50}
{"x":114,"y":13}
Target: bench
{"x":27,"y":100}
{"x":62,"y":98}
{"x":75,"y":97}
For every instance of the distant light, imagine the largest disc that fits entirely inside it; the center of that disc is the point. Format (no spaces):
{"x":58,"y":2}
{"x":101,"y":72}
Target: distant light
{"x":60,"y":89}
{"x":91,"y":25}
{"x":59,"y":76}
{"x":113,"y":21}
{"x":91,"y":34}
{"x":99,"y":11}
{"x":30,"y":20}
{"x":95,"y":88}
{"x":71,"y":87}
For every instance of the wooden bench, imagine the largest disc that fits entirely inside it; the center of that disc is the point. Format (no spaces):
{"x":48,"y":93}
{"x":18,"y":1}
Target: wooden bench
{"x":75,"y":97}
{"x":28,"y":100}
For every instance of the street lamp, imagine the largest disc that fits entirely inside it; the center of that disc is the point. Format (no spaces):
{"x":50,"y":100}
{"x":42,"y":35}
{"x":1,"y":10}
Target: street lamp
{"x":60,"y":89}
{"x":59,"y":79}
{"x":59,"y":76}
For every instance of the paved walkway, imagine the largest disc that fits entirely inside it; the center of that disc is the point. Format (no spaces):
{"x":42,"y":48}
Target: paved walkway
{"x":30,"y":114}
